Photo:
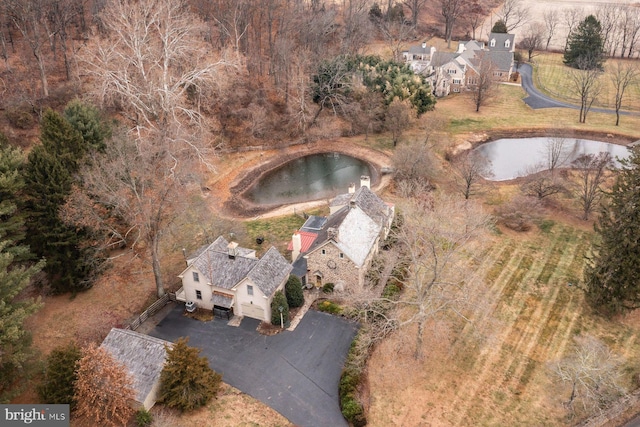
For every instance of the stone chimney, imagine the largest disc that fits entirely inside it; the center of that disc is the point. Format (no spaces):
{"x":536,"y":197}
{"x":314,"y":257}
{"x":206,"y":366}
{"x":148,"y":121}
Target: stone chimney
{"x":365,"y":181}
{"x":332,"y":233}
{"x":232,"y":249}
{"x":296,"y":241}
{"x":352,"y":188}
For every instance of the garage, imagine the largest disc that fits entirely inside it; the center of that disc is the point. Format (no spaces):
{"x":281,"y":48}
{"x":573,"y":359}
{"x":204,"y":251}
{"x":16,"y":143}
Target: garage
{"x":252,"y":310}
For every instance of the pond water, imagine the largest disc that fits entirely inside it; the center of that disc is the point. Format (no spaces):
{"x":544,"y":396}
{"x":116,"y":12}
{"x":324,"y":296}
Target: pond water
{"x":516,"y":157}
{"x":313,"y":177}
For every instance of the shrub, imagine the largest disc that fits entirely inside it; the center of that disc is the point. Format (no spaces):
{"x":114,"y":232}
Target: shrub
{"x":391,"y":291}
{"x":329,"y":307}
{"x":293,"y":290}
{"x":186,"y":381}
{"x":143,"y":418}
{"x":353,"y":411}
{"x":328,"y":288}
{"x":279,"y":300}
{"x":518,"y":214}
{"x":60,"y":375}
{"x":21,"y":117}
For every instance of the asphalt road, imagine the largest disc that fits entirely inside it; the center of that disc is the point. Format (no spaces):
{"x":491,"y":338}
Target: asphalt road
{"x":538,"y":100}
{"x":296,"y":373}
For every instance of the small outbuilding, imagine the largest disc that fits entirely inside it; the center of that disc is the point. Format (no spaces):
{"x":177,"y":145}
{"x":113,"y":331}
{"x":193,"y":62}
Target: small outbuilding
{"x":143,"y":357}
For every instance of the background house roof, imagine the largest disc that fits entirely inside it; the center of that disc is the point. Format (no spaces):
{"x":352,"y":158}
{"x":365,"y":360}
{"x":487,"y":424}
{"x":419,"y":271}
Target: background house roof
{"x":500,"y":39}
{"x":142,"y":355}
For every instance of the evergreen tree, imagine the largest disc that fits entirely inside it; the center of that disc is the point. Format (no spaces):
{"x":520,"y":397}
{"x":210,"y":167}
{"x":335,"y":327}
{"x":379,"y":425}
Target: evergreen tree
{"x":15,"y":341}
{"x":585,"y":45}
{"x":499,"y":27}
{"x":279,"y":300}
{"x":611,"y":274}
{"x":60,"y":376}
{"x":186,"y":381}
{"x":86,"y":119}
{"x":293,"y":289}
{"x":50,"y":174}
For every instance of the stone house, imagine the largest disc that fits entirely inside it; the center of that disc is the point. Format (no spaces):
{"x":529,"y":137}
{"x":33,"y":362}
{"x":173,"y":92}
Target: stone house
{"x":338,"y":249}
{"x":225,"y":277}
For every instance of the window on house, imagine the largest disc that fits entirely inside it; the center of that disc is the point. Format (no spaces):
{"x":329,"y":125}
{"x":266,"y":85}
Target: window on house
{"x":196,"y":277}
{"x":456,"y":81}
{"x":455,"y":89}
{"x":493,"y":42}
{"x":323,"y":252}
{"x":507,"y":43}
{"x":249,"y":290}
{"x":198,"y":295}
{"x":451,"y":71}
{"x":341,"y":255}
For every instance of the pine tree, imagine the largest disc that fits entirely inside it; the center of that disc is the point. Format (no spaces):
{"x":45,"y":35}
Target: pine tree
{"x":293,"y":289}
{"x":186,"y":381}
{"x":499,"y":27}
{"x":611,"y":274}
{"x":58,"y":385}
{"x":103,"y":389}
{"x":585,"y":45}
{"x":15,"y":341}
{"x":86,"y":119}
{"x":279,"y":300}
{"x":50,"y":174}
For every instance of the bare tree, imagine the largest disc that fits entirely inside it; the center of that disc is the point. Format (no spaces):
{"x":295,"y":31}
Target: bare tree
{"x":399,"y":115}
{"x":28,"y":17}
{"x":470,"y":168}
{"x":435,"y":238}
{"x":572,"y":18}
{"x":451,"y":10}
{"x":557,"y":150}
{"x":151,"y":67}
{"x":532,"y":39}
{"x":413,"y":162}
{"x":103,"y":390}
{"x":514,"y":14}
{"x":358,"y":28}
{"x":622,"y":76}
{"x":586,"y":85}
{"x":551,"y":21}
{"x":474,"y":16}
{"x":395,"y":33}
{"x":542,"y":184}
{"x":61,"y":16}
{"x":590,"y":169}
{"x":482,"y":83}
{"x":609,"y":17}
{"x":593,"y":372}
{"x":415,"y":6}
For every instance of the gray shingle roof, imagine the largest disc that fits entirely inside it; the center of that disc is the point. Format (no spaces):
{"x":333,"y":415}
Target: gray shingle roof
{"x":222,"y":301}
{"x":142,"y":355}
{"x":419,"y":50}
{"x":222,"y":271}
{"x":270,"y":271}
{"x":500,"y":39}
{"x":502,"y":59}
{"x":441,"y":58}
{"x":371,"y":204}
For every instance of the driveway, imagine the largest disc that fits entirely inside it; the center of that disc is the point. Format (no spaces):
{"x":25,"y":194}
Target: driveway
{"x":537,"y":99}
{"x":296,"y":373}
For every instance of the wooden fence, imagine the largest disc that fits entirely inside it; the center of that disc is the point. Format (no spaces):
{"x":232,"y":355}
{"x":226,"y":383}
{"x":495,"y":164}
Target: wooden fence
{"x":151,"y":310}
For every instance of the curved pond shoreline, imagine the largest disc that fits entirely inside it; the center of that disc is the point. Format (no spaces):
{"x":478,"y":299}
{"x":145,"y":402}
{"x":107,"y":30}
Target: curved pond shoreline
{"x":238,"y":206}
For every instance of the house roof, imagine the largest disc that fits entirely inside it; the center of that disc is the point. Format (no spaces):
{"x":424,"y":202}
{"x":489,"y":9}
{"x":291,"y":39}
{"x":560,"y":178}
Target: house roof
{"x":142,"y":355}
{"x":299,"y":267}
{"x":306,"y":239}
{"x":441,"y":58}
{"x":419,"y":50}
{"x":500,"y":39}
{"x":313,"y":223}
{"x":270,"y":271}
{"x":223,"y":271}
{"x":358,"y":225}
{"x":222,"y":300}
{"x":503,"y":60}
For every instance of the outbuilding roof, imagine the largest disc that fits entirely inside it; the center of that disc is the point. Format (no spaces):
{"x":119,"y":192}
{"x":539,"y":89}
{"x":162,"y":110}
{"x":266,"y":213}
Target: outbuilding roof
{"x":142,"y":355}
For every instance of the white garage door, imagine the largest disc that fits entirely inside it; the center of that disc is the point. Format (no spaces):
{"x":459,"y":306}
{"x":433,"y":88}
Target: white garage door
{"x":252,"y":310}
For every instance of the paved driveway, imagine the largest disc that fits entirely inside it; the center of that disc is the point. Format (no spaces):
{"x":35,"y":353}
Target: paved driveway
{"x":296,"y":373}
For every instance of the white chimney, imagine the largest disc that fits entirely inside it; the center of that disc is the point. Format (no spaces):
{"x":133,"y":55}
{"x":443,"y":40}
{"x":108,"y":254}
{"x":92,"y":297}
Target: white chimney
{"x":424,"y":45}
{"x":365,"y":181}
{"x":296,"y":241}
{"x":232,"y":249}
{"x":352,"y":188}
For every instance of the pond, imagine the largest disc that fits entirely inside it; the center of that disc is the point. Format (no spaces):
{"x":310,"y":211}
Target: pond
{"x":511,"y":158}
{"x":313,"y":177}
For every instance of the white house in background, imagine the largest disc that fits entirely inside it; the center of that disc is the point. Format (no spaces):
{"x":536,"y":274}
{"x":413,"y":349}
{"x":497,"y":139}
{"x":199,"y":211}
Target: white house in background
{"x":143,"y":357}
{"x":223,"y":276}
{"x":339,"y":249}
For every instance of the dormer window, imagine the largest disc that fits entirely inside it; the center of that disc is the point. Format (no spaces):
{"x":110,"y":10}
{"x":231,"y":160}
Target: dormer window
{"x":507,"y":43}
{"x":493,"y":42}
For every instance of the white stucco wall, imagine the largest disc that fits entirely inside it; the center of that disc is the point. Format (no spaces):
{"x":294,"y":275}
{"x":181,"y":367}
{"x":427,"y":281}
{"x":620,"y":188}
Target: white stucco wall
{"x":190,"y":287}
